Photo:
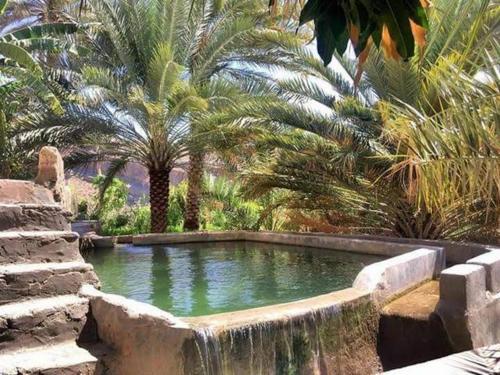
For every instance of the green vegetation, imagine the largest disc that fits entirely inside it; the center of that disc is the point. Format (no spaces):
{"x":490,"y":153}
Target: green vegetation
{"x":406,"y":147}
{"x":395,"y":25}
{"x":222,"y":207}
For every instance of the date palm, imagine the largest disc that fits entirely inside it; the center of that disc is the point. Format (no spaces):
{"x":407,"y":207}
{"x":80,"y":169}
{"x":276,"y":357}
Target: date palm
{"x":157,"y":68}
{"x":22,"y":80}
{"x":407,"y":169}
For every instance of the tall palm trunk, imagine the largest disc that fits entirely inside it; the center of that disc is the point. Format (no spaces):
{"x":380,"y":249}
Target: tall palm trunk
{"x":195,"y":177}
{"x":159,"y":189}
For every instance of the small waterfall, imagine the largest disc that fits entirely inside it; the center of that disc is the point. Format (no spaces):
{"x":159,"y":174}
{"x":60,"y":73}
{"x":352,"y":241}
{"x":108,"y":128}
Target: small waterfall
{"x":324,"y":341}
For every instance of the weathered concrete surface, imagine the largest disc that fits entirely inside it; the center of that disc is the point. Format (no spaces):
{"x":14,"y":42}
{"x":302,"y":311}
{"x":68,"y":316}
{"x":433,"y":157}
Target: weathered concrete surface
{"x":491,"y":264}
{"x":15,"y":192}
{"x":51,"y":175}
{"x":39,"y":247}
{"x":41,"y":322}
{"x":470,"y":314}
{"x":388,"y":246}
{"x":167,"y":238}
{"x":20,"y":281}
{"x":62,"y":359}
{"x":124,"y":239}
{"x":102,"y":242}
{"x":392,"y":276}
{"x":280,"y":312}
{"x":410,"y":331}
{"x":364,"y":246}
{"x":145,"y":339}
{"x":456,"y":252}
{"x":481,"y":361}
{"x":33,"y":217}
{"x":85,"y":226}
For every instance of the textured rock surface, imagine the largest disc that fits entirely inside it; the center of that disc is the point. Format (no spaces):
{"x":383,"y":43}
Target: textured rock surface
{"x":39,"y":247}
{"x":33,"y":217}
{"x":20,"y":281}
{"x":146,"y":340}
{"x":51,"y":175}
{"x":41,"y":272}
{"x":62,"y":359}
{"x":102,"y":242}
{"x":41,"y":322}
{"x":14,"y":192}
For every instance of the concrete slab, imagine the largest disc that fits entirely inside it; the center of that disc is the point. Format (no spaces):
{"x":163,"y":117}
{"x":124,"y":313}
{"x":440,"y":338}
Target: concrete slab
{"x":491,"y":263}
{"x":463,"y":286}
{"x":395,"y":275}
{"x":481,"y":361}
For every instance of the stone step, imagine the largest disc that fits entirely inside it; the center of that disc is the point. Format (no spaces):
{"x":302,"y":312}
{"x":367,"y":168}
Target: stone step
{"x":31,"y":280}
{"x":39,"y":247}
{"x":61,"y":359}
{"x":33,"y":217}
{"x":42,"y":321}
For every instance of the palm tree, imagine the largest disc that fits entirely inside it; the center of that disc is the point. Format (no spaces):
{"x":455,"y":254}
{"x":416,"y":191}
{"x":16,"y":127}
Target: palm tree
{"x":342,"y":155}
{"x":157,"y":69}
{"x":22,"y":81}
{"x":227,"y":38}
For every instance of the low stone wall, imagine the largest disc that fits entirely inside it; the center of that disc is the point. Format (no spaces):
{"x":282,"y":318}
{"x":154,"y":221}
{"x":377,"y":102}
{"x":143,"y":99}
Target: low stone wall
{"x":469,"y":303}
{"x":169,"y":238}
{"x":455,"y":252}
{"x":145,"y":340}
{"x":364,"y":246}
{"x":85,"y":226}
{"x":388,"y":278}
{"x":307,"y":336}
{"x":331,"y":333}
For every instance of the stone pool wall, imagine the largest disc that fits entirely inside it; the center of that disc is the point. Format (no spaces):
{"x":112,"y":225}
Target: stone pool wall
{"x":455,"y":252}
{"x":328,"y":334}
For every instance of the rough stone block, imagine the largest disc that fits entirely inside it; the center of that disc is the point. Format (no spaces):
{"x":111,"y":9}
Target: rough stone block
{"x":33,"y":217}
{"x":22,"y":281}
{"x":15,"y":192}
{"x":491,"y":263}
{"x":61,"y":359}
{"x":463,"y":286}
{"x":51,"y":175}
{"x":39,"y":247}
{"x":42,"y":322}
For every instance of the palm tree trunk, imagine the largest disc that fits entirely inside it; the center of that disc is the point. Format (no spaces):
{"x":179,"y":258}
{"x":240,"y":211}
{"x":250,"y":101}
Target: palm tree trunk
{"x":159,"y":189}
{"x":195,"y":177}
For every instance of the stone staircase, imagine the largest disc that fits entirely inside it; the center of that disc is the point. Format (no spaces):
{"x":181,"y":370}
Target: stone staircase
{"x":42,"y":317}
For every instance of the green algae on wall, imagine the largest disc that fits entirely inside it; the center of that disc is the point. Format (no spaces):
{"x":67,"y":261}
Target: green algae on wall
{"x":328,"y":341}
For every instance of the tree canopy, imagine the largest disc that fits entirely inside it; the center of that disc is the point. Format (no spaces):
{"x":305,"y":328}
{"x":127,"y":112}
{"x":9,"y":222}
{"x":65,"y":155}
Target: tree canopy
{"x":394,"y":25}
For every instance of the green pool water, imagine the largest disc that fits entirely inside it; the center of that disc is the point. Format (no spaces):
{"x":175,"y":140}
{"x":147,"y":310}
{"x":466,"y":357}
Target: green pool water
{"x":208,"y":278}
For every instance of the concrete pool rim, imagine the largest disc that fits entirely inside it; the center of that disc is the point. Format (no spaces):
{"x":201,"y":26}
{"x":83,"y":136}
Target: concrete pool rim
{"x":154,"y":340}
{"x":366,"y":287}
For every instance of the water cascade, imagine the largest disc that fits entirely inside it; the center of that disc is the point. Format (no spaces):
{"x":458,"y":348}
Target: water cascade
{"x":335,"y":340}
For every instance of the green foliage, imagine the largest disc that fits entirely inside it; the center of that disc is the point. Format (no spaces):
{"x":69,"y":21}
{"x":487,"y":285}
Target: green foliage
{"x":338,"y":21}
{"x":223,"y":207}
{"x":115,"y":196}
{"x":26,"y":90}
{"x":413,"y":152}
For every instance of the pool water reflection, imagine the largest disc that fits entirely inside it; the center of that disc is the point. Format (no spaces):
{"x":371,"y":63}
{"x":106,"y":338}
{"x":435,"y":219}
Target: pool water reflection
{"x":208,"y":278}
